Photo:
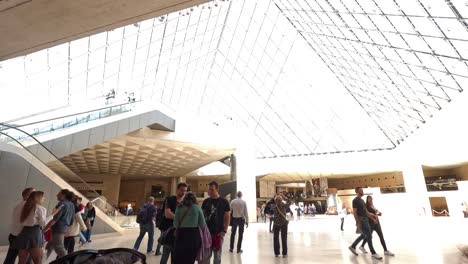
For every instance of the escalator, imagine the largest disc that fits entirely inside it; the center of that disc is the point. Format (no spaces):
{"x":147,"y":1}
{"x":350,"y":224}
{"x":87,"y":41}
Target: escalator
{"x":39,"y":156}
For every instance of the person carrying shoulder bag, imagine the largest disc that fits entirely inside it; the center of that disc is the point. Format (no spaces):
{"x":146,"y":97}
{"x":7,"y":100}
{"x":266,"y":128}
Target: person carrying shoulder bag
{"x":280,"y":224}
{"x":187,"y":221}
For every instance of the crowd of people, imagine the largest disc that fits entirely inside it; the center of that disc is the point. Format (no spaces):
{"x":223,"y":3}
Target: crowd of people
{"x":365,"y":214}
{"x":199,"y":230}
{"x":33,"y":227}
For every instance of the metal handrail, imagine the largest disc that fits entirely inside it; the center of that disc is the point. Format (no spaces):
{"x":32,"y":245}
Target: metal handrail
{"x":71,"y":115}
{"x":56,"y":159}
{"x":91,"y":116}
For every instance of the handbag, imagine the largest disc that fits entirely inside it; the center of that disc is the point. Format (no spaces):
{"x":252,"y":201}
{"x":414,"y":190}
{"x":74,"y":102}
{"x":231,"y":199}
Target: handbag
{"x":167,"y":237}
{"x":88,"y":223}
{"x":48,"y":235}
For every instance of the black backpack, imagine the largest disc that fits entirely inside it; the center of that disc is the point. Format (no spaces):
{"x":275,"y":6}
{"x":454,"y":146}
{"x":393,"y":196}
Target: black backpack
{"x":142,"y":216}
{"x":268,"y":210}
{"x":159,"y":216}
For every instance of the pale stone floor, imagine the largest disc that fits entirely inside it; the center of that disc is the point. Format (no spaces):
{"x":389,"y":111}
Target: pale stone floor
{"x":319,"y":240}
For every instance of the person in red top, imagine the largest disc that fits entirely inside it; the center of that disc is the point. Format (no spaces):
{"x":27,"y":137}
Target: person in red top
{"x":81,"y":209}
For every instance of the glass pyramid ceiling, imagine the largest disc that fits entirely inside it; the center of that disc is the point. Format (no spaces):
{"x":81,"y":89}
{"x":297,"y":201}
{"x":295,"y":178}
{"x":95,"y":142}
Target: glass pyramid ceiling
{"x":305,"y":77}
{"x":401,"y":60}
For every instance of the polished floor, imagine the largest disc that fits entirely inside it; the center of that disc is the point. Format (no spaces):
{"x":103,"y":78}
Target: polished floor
{"x":319,"y":240}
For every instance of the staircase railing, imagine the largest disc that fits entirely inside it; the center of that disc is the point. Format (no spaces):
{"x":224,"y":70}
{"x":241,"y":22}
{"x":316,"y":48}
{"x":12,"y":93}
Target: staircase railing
{"x":42,"y":127}
{"x":13,"y":135}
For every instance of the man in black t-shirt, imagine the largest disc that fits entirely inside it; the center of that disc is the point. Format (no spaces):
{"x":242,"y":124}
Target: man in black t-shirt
{"x":169,"y":208}
{"x":217,"y":216}
{"x":362,"y":217}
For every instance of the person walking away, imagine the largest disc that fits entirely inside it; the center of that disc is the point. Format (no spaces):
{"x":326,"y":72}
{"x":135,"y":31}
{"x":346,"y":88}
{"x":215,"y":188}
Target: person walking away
{"x":169,"y":208}
{"x":240,"y":217}
{"x":269,"y":212}
{"x":30,"y":240}
{"x":90,"y":212}
{"x":187,"y":221}
{"x":76,"y":228}
{"x":16,"y":227}
{"x":375,"y":227}
{"x":362,"y":217}
{"x":61,"y":223}
{"x":342,"y":214}
{"x":145,"y":218}
{"x":280,"y":224}
{"x":217,"y":216}
{"x":314,"y":209}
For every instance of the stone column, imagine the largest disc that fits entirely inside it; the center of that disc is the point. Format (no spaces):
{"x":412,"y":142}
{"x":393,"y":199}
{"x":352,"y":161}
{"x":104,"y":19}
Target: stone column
{"x":246,"y":178}
{"x":233,"y":163}
{"x":182,"y":179}
{"x":174,"y":182}
{"x":415,"y":185}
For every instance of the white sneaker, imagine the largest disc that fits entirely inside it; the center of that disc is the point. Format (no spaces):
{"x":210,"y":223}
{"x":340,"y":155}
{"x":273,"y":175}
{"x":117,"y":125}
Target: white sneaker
{"x":353,"y":250}
{"x":388,"y":253}
{"x":363,"y":249}
{"x":376,"y":256}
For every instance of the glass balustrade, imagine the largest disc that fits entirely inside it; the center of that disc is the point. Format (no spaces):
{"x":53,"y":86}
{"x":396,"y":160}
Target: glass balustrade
{"x":15,"y":136}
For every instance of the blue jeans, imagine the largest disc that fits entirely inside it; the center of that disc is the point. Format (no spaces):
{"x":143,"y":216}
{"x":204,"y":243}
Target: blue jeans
{"x":366,"y":233}
{"x":83,"y":236}
{"x":216,"y":255}
{"x":87,"y":234}
{"x":145,"y":228}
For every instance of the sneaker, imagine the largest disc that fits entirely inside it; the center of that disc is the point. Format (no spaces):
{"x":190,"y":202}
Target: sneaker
{"x":363,"y":250}
{"x":239,"y":251}
{"x":150,"y":252}
{"x":353,"y":250}
{"x":158,"y":254}
{"x":388,"y":253}
{"x":230,"y":250}
{"x":376,"y":256}
{"x":276,"y":256}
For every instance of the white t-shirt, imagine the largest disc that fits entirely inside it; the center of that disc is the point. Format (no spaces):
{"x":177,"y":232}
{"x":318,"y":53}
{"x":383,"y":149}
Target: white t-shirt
{"x":239,"y":209}
{"x":342,"y":213}
{"x":16,"y":226}
{"x":38,"y":217}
